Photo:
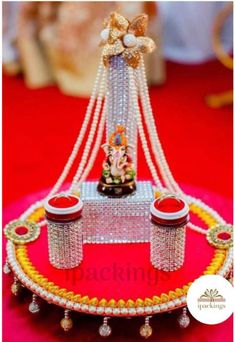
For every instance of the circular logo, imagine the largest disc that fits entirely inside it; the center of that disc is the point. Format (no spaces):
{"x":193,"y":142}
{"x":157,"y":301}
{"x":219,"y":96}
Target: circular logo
{"x":211,"y":299}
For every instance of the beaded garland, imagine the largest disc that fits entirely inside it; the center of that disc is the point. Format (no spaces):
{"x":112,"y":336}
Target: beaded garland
{"x":221,"y":263}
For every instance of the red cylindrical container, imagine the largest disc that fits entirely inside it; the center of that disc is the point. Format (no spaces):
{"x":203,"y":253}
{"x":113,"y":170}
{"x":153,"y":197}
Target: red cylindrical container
{"x":63,"y":214}
{"x":169,"y":215}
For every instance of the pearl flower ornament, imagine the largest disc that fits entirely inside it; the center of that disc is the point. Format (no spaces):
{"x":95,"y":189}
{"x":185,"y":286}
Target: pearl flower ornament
{"x":126,"y":38}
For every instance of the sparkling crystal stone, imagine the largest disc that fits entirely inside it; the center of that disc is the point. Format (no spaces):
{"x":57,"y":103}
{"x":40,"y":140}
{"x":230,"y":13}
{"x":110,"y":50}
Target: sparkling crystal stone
{"x":66,"y":323}
{"x":6,"y":268}
{"x":65,"y":244}
{"x":130,"y":214}
{"x":105,"y":330}
{"x":183,"y":320}
{"x":34,"y":307}
{"x":146,"y":330}
{"x":119,"y":101}
{"x":167,"y":247}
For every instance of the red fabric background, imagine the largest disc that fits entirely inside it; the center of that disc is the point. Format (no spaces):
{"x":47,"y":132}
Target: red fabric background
{"x":39,"y":128}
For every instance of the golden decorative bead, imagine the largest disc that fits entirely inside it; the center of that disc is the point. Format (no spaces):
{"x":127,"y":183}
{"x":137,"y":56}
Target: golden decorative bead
{"x":77,"y":298}
{"x":146,"y":331}
{"x":103,"y":302}
{"x":121,"y":303}
{"x":172,"y":295}
{"x":139,"y":302}
{"x":164,"y":298}
{"x":61,"y":292}
{"x":94,"y":301}
{"x":69,"y":295}
{"x":148,"y":302}
{"x":185,"y":289}
{"x":130,"y":303}
{"x":66,"y":324}
{"x":112,"y":303}
{"x":156,"y":300}
{"x":84,"y":300}
{"x":179,"y":292}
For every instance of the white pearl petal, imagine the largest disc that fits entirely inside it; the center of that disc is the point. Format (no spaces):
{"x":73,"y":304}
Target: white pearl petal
{"x":130,"y":40}
{"x":104,"y":34}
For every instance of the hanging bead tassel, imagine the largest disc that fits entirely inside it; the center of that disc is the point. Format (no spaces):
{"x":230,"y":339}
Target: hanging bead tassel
{"x":66,"y":322}
{"x":16,"y":287}
{"x":183,"y":319}
{"x":34,"y":306}
{"x":146,"y":330}
{"x":105,"y":329}
{"x":6,"y":268}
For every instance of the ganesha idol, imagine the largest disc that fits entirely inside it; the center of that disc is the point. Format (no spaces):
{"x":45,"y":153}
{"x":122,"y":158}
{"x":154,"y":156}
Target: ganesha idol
{"x":118,"y":176}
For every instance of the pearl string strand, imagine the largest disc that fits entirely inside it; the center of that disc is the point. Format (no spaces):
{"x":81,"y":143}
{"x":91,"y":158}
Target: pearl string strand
{"x":78,"y":142}
{"x":82,"y":132}
{"x":143,"y":139}
{"x":144,"y":93}
{"x":91,"y":134}
{"x":95,"y":148}
{"x":162,"y":160}
{"x":154,"y":138}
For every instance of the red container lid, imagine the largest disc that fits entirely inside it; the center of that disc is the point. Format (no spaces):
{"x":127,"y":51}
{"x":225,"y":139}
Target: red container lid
{"x":63,"y":208}
{"x":170,"y":210}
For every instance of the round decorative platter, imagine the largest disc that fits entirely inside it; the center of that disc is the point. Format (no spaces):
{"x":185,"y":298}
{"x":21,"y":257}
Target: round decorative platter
{"x":118,"y":279}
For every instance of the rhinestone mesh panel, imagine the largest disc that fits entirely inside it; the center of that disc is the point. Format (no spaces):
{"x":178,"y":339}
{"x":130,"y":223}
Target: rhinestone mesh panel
{"x":116,"y":220}
{"x":167,"y":247}
{"x":119,"y":112}
{"x":65,"y":243}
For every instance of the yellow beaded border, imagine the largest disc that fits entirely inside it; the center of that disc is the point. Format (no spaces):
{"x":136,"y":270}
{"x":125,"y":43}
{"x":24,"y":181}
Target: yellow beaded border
{"x":27,"y":266}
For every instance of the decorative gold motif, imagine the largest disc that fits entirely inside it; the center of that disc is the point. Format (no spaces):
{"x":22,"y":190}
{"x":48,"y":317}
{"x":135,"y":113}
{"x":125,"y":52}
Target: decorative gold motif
{"x":214,"y":239}
{"x":32,"y":231}
{"x":114,"y":45}
{"x":139,"y":24}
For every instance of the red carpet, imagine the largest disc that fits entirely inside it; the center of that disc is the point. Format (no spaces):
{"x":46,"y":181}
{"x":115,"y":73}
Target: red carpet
{"x":39,"y":129}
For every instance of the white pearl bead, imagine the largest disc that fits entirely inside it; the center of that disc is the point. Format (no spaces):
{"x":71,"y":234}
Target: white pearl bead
{"x":104,"y":34}
{"x":130,"y":40}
